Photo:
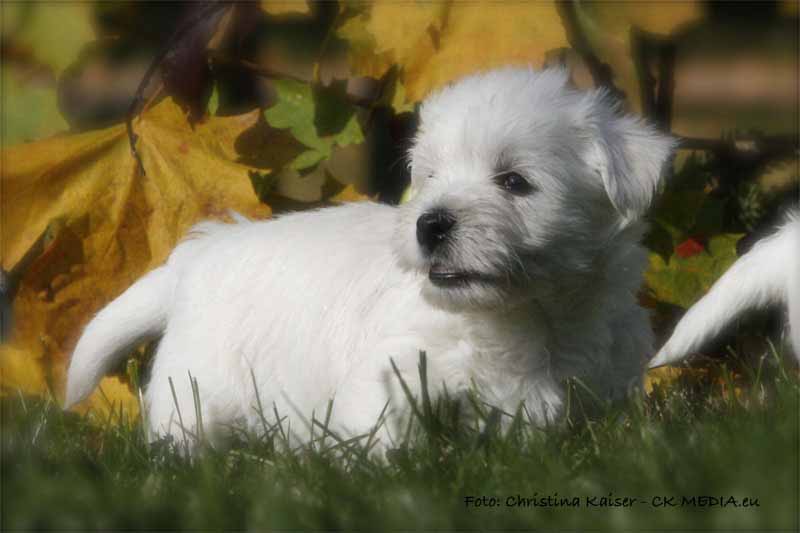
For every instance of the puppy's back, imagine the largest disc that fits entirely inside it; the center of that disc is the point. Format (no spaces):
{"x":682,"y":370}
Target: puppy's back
{"x":293,"y":300}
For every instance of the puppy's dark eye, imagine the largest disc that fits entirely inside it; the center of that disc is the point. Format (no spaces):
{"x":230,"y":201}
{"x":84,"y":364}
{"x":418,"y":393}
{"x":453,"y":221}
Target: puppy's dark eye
{"x":514,"y":183}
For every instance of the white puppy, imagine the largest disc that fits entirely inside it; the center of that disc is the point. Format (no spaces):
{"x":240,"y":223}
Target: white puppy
{"x":515,"y":266}
{"x":768,"y":275}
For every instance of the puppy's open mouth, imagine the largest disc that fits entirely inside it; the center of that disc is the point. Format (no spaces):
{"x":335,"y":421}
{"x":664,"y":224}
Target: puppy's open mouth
{"x":443,"y":277}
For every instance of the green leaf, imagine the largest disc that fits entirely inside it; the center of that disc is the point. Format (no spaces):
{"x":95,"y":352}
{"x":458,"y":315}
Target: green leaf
{"x":319,"y":118}
{"x":308,"y":159}
{"x":399,"y":102}
{"x":331,"y":111}
{"x":351,"y":134}
{"x":213,"y":100}
{"x":294,"y":110}
{"x":686,"y":209}
{"x":678,"y":210}
{"x":682,"y":281}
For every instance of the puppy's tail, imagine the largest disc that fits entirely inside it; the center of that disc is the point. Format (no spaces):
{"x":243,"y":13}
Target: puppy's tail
{"x":137,"y":314}
{"x":769,"y":274}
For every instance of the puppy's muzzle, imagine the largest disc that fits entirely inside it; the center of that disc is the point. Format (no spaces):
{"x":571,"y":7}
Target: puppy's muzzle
{"x":432,"y":229}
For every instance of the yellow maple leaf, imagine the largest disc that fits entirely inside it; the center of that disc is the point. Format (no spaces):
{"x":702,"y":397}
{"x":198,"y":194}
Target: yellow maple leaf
{"x":87,"y":224}
{"x":482,"y":36}
{"x":435,"y":43}
{"x":114,"y":401}
{"x":390,"y":33}
{"x":668,"y":376}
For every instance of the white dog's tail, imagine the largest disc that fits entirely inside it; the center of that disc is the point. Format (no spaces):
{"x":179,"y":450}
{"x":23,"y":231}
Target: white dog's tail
{"x":138,"y":313}
{"x":769,"y":274}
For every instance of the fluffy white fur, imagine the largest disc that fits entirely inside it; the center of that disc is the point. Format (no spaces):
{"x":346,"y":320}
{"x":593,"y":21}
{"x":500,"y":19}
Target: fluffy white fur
{"x":315,"y":304}
{"x":768,"y":275}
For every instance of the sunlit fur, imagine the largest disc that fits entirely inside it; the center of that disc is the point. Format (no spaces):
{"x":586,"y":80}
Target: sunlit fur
{"x":313,"y":305}
{"x":766,"y":276}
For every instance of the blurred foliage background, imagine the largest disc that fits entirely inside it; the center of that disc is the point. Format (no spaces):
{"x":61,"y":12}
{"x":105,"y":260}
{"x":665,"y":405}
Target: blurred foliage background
{"x":124,"y":123}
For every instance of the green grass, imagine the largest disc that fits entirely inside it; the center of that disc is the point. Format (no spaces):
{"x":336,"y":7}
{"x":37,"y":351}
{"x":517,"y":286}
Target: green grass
{"x":695,"y":438}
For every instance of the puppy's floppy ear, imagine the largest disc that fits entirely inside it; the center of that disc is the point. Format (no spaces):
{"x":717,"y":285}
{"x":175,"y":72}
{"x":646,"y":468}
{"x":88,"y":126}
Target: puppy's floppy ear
{"x":630,"y":154}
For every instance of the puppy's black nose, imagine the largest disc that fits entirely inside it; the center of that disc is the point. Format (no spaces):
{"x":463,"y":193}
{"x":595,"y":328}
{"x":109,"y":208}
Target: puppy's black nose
{"x":432,"y":228}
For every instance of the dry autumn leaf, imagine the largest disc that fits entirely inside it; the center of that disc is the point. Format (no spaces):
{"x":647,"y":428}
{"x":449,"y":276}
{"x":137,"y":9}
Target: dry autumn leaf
{"x":667,"y":376}
{"x":520,"y":33}
{"x":435,"y":43}
{"x":388,"y":33}
{"x":100,"y":225}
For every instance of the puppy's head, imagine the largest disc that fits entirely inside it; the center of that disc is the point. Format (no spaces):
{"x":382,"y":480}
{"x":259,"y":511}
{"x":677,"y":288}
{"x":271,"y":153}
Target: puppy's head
{"x":520,"y":184}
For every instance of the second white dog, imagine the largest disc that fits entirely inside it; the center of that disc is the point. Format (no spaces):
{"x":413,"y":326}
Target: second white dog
{"x":766,"y":276}
{"x":515,"y":266}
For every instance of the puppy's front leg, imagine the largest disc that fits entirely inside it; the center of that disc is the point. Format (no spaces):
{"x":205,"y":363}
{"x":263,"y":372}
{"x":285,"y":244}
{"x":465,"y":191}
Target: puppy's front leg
{"x":374,"y":398}
{"x":363,"y":409}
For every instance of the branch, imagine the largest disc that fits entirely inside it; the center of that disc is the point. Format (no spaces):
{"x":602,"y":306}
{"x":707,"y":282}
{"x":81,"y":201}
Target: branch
{"x":656,"y":94}
{"x":601,"y":72}
{"x":755,"y":146}
{"x":138,"y":97}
